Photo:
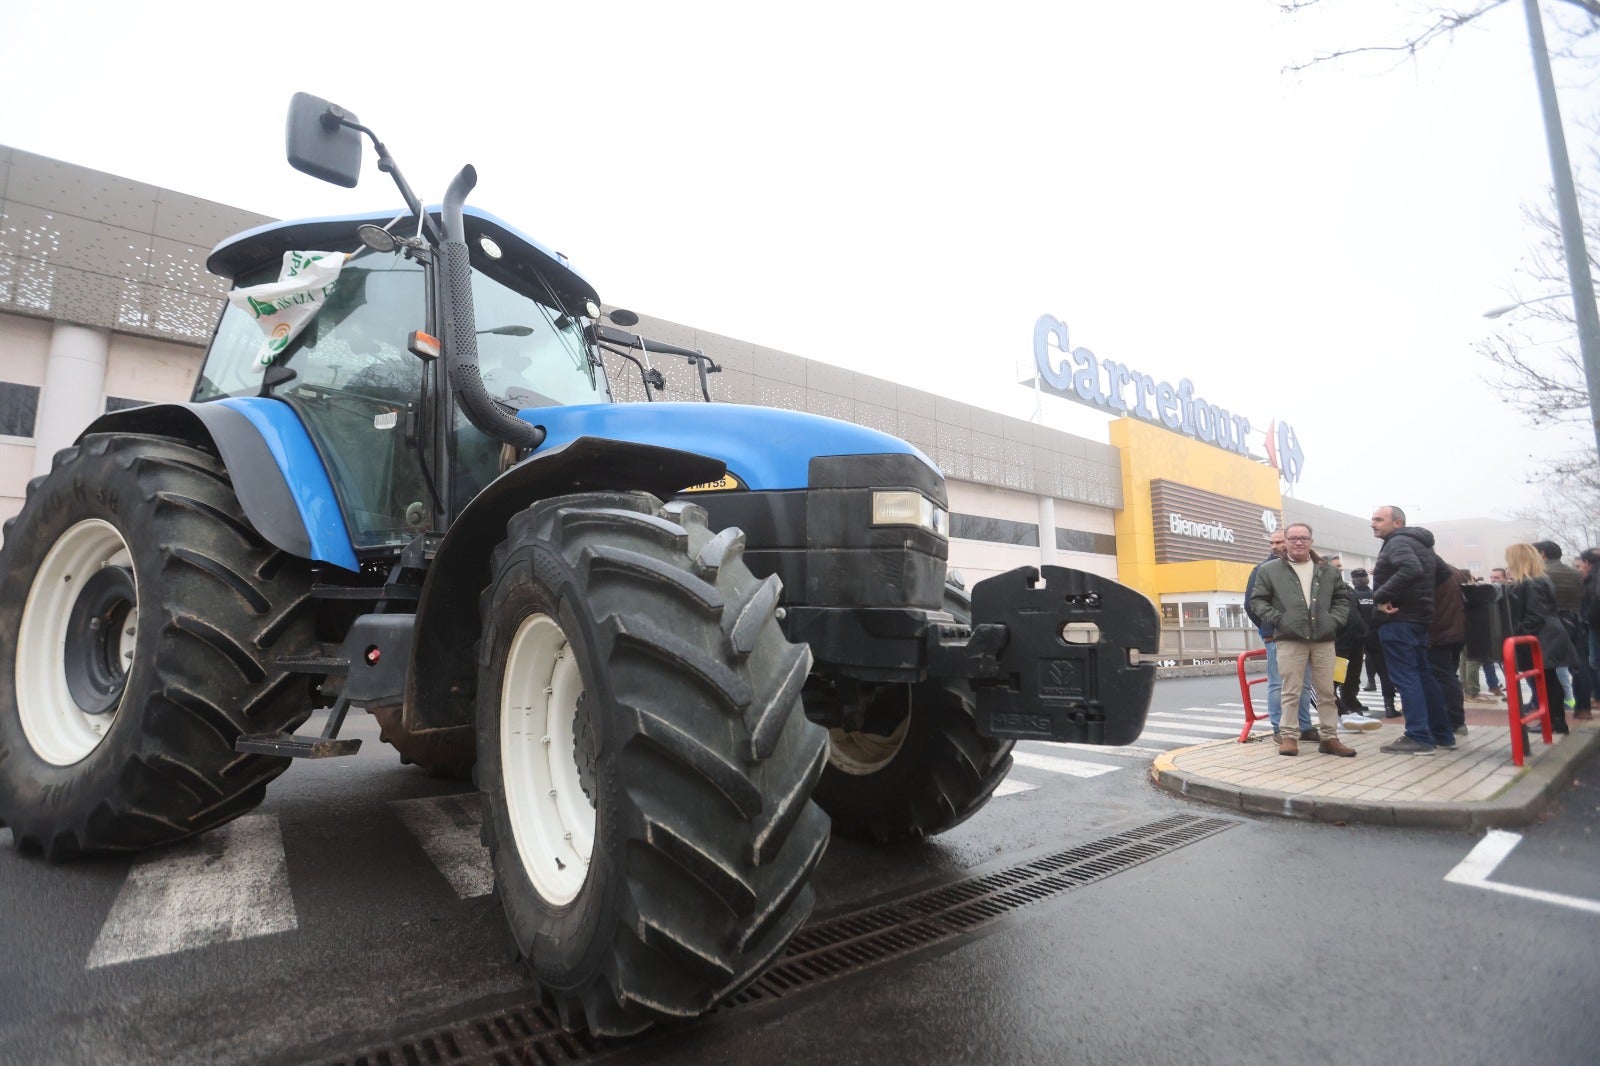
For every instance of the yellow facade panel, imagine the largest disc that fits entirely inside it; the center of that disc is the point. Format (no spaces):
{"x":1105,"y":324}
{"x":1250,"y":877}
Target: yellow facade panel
{"x":1150,"y":452}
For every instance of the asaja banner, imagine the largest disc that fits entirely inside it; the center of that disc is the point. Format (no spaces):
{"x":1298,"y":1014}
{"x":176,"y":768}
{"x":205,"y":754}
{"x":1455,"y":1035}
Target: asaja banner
{"x":283,"y":307}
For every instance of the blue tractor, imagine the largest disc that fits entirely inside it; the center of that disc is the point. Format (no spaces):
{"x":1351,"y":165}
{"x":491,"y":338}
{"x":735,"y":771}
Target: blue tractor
{"x":418,"y":500}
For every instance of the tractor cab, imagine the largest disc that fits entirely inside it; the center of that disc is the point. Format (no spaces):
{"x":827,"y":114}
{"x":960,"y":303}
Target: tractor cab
{"x":361,"y":382}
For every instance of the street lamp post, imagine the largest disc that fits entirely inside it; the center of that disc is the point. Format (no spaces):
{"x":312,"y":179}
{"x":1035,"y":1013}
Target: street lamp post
{"x":1583,"y":306}
{"x":1508,"y":308}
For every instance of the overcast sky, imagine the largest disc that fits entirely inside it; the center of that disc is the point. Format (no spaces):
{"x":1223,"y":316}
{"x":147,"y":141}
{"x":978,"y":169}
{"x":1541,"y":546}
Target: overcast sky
{"x":905,"y":188}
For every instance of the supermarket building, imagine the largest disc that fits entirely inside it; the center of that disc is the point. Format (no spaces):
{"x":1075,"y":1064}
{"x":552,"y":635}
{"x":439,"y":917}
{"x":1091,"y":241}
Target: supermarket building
{"x":105,"y":303}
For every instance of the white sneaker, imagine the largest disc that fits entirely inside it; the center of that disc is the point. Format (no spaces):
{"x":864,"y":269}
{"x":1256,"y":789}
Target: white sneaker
{"x":1359,"y":723}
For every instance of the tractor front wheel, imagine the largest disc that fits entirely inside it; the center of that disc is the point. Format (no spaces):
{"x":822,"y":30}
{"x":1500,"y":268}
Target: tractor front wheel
{"x":645,"y":766}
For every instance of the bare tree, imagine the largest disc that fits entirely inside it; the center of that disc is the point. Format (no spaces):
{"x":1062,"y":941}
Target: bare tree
{"x":1571,"y":518}
{"x":1548,"y":389}
{"x":1578,"y":32}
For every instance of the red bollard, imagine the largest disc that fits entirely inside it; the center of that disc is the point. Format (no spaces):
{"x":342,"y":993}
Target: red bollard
{"x":1514,"y":693}
{"x":1250,"y":715}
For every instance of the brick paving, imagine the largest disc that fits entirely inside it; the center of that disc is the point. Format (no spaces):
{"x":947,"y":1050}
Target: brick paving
{"x":1476,"y":784}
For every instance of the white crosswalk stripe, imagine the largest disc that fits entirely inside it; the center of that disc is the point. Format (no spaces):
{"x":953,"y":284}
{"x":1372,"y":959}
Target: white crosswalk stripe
{"x":1121,"y":751}
{"x":1057,"y":765}
{"x":1193,"y":724}
{"x":229,"y":884}
{"x":447,"y":827}
{"x":1195,"y":714}
{"x":1011,"y":786}
{"x":1176,"y":738}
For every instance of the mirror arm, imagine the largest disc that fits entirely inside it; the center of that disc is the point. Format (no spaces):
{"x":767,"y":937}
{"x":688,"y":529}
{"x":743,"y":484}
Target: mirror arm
{"x":387,"y":165}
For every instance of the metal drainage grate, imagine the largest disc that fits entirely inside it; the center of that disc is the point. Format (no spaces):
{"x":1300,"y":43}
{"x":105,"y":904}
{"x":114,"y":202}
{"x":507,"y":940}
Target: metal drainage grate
{"x":531,"y":1035}
{"x":840,"y":945}
{"x":527,"y":1035}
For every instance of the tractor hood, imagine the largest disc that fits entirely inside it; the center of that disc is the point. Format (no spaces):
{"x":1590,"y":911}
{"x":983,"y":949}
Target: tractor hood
{"x":763,"y":447}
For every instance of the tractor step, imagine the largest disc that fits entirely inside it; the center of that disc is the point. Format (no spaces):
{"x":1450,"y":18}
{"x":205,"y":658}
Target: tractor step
{"x":313,"y":664}
{"x":292,"y":746}
{"x":378,"y":593}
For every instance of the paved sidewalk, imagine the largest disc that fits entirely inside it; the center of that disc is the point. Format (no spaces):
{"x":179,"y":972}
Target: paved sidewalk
{"x":1473,"y":787}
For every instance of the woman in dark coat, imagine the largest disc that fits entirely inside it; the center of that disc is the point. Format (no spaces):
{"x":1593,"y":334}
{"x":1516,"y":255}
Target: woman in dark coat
{"x":1532,"y":603}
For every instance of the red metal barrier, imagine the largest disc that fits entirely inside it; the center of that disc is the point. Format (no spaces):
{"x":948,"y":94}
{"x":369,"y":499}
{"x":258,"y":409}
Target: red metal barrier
{"x":1514,"y":679}
{"x":1250,"y":715}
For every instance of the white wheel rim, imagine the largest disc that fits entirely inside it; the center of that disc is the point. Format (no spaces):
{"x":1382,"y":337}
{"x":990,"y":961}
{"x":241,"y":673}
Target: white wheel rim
{"x":867,"y":753}
{"x":552,"y":819}
{"x":60,"y":732}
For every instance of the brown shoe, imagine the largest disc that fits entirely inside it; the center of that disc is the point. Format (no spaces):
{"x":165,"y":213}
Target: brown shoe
{"x":1583,"y":715}
{"x":1336,"y":747}
{"x":1288,"y":744}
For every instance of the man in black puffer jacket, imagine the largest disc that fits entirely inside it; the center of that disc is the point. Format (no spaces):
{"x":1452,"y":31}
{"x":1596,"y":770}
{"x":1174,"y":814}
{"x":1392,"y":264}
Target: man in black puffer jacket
{"x":1404,"y":580}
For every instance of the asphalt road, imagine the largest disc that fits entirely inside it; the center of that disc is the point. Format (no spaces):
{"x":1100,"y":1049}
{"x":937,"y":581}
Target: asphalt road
{"x":350,"y":910}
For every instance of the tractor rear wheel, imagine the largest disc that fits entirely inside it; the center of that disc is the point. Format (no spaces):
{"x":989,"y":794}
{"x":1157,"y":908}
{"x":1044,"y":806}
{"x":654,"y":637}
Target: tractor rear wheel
{"x":918,"y":766}
{"x":140,"y":617}
{"x":645,"y":766}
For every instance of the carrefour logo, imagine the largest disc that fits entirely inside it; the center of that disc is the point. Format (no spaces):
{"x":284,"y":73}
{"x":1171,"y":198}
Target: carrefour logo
{"x":1183,"y":527}
{"x":1086,"y":378}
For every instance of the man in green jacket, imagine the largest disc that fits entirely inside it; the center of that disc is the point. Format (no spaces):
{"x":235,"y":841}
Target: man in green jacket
{"x":1305,"y":601}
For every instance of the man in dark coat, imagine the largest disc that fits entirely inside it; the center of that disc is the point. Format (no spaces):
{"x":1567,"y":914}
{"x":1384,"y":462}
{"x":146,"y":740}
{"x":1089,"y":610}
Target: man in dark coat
{"x":1446,"y":637}
{"x":1568,"y":584}
{"x":1589,"y":615}
{"x":1403,"y":602}
{"x":1372,"y":650}
{"x":1350,"y":645}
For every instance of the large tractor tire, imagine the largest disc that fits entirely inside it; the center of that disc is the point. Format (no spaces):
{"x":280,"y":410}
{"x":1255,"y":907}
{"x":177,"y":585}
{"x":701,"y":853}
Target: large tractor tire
{"x":645,"y":765}
{"x":918,"y":766}
{"x":140,"y":617}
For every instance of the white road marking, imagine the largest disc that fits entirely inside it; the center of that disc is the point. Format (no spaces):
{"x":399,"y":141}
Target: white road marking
{"x":5,"y":837}
{"x":1218,"y":712}
{"x":1232,"y":706}
{"x":1193,"y":724}
{"x":1126,"y":751}
{"x":1481,"y":861}
{"x":1174,"y":738}
{"x":447,"y":829}
{"x":229,"y":884}
{"x":1010,"y":787}
{"x":1219,"y":718}
{"x":1070,"y":767}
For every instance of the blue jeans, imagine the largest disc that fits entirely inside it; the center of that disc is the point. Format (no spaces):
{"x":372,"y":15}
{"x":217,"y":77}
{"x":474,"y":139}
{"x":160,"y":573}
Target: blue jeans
{"x":1405,"y":652}
{"x":1275,"y":691}
{"x":1489,"y":673}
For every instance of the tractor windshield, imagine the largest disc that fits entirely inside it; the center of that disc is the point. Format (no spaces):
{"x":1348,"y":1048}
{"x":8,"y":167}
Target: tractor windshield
{"x":350,"y":378}
{"x":353,"y":382}
{"x":530,"y":354}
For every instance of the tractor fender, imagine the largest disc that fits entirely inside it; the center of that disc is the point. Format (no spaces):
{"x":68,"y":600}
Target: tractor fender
{"x":439,"y":689}
{"x":277,"y":473}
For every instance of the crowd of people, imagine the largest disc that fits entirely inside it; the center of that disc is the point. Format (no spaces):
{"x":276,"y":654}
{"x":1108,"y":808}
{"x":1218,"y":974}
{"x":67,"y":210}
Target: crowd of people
{"x":1424,"y":631}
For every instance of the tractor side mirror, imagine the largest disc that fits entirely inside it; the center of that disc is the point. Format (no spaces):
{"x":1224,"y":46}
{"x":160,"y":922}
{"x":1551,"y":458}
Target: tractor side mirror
{"x":322,"y":140}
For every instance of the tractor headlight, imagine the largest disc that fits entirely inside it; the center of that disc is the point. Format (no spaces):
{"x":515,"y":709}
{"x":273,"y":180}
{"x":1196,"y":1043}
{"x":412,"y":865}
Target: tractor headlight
{"x":903,"y":508}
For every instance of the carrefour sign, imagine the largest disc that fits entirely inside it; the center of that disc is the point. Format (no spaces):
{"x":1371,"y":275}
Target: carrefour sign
{"x":1085,"y":378}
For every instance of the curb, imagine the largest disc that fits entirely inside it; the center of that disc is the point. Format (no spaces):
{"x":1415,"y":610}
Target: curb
{"x":1521,"y":802}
